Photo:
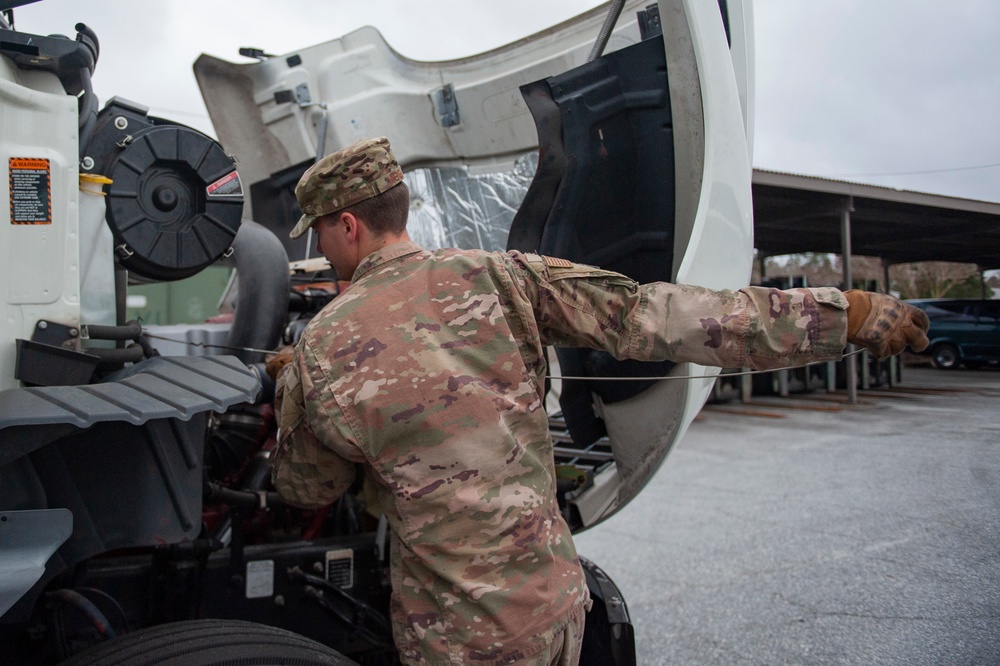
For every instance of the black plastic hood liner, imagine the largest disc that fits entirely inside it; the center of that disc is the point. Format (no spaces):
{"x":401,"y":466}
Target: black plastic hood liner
{"x":603,"y":195}
{"x":10,"y":4}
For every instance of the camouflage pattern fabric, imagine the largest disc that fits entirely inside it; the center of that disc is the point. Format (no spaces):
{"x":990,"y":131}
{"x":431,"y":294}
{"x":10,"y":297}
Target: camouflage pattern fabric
{"x":430,"y":371}
{"x":344,"y":178}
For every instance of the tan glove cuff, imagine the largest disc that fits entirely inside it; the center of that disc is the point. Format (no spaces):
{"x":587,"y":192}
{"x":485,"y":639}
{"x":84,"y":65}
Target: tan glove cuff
{"x":859,"y":306}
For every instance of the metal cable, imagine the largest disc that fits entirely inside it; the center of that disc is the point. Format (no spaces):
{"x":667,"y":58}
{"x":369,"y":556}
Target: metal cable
{"x":609,"y":24}
{"x":579,"y":378}
{"x":728,"y":374}
{"x":205,"y":345}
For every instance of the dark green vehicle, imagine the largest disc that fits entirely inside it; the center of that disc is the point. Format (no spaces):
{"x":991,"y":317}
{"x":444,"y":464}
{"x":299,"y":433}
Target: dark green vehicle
{"x":963,"y":331}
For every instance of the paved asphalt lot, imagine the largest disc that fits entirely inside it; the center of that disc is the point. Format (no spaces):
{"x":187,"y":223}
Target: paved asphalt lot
{"x":791,"y":535}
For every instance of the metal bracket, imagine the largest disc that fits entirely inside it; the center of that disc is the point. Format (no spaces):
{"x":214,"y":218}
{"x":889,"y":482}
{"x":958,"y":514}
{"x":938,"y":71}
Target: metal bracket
{"x":649,"y":22}
{"x":255,"y":53}
{"x":55,"y":334}
{"x":302,"y":94}
{"x":447,"y":106}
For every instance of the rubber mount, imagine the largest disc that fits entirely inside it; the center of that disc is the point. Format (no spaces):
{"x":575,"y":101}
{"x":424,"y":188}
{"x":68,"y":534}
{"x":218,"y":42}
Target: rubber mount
{"x":161,"y":214}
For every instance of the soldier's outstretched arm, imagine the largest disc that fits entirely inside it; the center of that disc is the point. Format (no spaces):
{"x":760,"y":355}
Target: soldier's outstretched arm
{"x":756,"y":327}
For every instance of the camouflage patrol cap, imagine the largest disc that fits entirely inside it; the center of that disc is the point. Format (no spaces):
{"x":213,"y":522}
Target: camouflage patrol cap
{"x":341,"y":179}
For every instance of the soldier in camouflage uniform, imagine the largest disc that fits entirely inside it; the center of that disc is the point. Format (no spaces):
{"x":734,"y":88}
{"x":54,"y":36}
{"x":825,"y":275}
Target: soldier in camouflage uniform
{"x":429,"y":371}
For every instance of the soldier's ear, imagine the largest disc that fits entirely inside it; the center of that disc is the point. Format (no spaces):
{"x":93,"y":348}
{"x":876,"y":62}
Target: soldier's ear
{"x":349,"y":225}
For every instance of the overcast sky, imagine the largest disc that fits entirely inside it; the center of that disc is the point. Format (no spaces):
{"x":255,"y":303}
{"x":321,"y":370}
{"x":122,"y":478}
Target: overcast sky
{"x":849,"y":89}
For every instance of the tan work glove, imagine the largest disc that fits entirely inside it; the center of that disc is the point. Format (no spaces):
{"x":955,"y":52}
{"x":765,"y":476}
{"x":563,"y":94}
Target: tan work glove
{"x":275,"y":362}
{"x":883,"y":324}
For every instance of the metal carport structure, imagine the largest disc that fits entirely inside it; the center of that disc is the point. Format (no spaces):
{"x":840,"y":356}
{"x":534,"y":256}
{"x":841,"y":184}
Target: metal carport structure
{"x":794,"y":214}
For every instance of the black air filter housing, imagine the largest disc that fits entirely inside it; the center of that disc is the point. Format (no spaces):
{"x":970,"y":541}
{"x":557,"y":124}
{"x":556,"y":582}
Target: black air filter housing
{"x":175,"y":202}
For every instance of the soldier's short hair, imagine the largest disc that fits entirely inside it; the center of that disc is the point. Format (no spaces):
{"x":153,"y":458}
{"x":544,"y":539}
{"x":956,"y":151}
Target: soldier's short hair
{"x":384,"y":213}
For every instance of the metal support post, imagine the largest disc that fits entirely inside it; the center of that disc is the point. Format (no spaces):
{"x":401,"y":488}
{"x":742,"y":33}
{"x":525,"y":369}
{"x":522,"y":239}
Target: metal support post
{"x":895,"y":362}
{"x":851,"y":367}
{"x":851,"y":362}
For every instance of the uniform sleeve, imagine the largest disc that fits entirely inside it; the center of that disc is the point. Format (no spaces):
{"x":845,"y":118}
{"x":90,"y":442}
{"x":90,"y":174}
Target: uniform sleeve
{"x":306,"y":472}
{"x":757,"y":327}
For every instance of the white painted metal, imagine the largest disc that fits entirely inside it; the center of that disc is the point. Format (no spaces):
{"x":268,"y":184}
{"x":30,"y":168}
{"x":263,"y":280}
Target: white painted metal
{"x":367,"y":89}
{"x":40,"y":265}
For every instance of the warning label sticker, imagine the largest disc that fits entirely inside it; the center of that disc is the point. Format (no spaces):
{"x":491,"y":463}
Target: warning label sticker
{"x":260,"y":579}
{"x":30,"y":190}
{"x":227,"y":186}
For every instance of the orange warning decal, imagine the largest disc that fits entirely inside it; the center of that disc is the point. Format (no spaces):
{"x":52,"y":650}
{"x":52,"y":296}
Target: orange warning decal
{"x":29,"y":163}
{"x":30,"y":190}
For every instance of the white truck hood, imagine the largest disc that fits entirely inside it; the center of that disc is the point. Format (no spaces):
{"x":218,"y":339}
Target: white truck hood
{"x":497,"y":150}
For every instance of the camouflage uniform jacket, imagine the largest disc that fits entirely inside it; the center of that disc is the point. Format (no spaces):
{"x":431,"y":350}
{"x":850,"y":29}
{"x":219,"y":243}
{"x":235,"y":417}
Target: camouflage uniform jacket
{"x":429,"y":369}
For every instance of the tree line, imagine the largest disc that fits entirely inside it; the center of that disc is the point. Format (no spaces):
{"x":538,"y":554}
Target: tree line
{"x":925,"y":279}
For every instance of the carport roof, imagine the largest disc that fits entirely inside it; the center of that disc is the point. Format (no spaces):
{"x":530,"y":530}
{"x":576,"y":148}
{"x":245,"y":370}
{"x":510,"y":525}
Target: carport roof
{"x":795,"y":213}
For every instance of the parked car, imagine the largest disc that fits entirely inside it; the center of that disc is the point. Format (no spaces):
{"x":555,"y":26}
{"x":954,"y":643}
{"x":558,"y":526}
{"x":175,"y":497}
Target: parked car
{"x":963,"y":331}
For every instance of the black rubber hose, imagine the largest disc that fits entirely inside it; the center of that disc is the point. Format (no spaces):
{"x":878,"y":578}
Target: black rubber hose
{"x":147,"y":347}
{"x":240,"y":498}
{"x":88,"y":111}
{"x":115,"y":357}
{"x":87,"y":607}
{"x":261,"y":264}
{"x":89,"y":592}
{"x":86,"y":35}
{"x":267,"y":385}
{"x":121,"y":295}
{"x":130,"y":331}
{"x":296,"y":574}
{"x":259,"y":473}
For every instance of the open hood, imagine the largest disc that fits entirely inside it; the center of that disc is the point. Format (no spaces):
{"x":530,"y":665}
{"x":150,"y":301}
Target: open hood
{"x":637,"y":161}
